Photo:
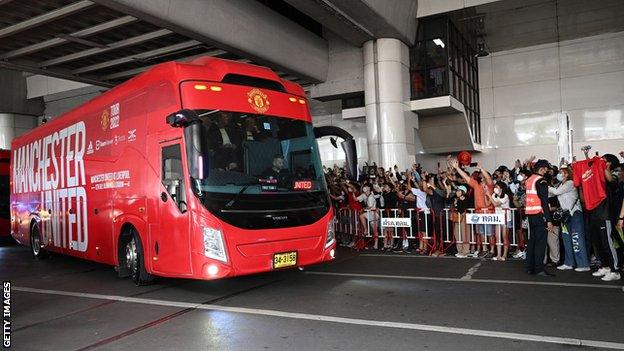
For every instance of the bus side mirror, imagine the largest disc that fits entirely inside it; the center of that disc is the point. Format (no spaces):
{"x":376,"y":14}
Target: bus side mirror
{"x":348,"y":146}
{"x":182,"y":118}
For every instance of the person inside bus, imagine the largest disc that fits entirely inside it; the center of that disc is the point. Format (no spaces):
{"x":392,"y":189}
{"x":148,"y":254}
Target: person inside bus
{"x":251,"y":130}
{"x":224,"y":140}
{"x":277,"y":171}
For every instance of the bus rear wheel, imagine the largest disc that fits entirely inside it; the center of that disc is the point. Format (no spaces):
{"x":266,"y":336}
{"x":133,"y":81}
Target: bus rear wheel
{"x":36,"y":243}
{"x":135,"y":263}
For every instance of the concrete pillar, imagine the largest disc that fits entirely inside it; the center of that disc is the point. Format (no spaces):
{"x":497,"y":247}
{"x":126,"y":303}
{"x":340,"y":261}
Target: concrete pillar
{"x":389,"y":122}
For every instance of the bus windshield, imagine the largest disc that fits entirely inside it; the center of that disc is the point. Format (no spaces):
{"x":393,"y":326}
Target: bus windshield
{"x":266,"y":167}
{"x":255,"y":154}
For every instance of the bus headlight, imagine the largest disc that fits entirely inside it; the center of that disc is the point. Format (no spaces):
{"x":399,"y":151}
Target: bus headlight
{"x":213,"y":244}
{"x":331,"y":235}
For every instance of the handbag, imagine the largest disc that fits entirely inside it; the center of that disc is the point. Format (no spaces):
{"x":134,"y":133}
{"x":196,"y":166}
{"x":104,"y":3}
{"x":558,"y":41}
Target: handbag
{"x":562,"y":215}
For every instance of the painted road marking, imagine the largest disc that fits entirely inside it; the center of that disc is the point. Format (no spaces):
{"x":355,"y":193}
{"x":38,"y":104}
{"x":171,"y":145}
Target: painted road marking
{"x":490,"y":281}
{"x":471,"y":271}
{"x":343,"y":320}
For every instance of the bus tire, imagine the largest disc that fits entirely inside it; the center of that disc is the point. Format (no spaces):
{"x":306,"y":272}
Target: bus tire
{"x":35,"y":243}
{"x":135,"y":262}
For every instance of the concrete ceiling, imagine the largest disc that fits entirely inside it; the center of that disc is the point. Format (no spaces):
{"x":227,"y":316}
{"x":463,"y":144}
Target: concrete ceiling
{"x":358,"y":21}
{"x":98,"y":43}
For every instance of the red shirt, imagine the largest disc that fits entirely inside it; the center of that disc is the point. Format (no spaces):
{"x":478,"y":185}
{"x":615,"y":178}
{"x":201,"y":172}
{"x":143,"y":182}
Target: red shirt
{"x":353,"y":202}
{"x":591,"y":175}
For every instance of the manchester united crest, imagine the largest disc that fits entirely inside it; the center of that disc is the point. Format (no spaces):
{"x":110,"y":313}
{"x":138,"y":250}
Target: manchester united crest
{"x":104,"y":120}
{"x":258,"y":100}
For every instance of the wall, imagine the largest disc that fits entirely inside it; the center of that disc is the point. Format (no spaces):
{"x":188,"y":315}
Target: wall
{"x":523,"y":90}
{"x":59,"y":103}
{"x":13,"y":125}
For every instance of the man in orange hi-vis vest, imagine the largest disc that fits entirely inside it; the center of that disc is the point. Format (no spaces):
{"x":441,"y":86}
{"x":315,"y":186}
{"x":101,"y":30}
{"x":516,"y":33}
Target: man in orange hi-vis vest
{"x":538,"y":213}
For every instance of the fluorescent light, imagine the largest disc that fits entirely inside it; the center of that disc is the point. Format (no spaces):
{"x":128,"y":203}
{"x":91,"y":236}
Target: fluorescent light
{"x":438,"y":42}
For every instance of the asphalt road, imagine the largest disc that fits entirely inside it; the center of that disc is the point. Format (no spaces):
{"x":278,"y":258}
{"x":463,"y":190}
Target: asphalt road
{"x":359,"y":302}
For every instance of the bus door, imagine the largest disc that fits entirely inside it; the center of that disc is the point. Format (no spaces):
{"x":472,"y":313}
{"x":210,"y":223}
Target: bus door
{"x":171,"y":242}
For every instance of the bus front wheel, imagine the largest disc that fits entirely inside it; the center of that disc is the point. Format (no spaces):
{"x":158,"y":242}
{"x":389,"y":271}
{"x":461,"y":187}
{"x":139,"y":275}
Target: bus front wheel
{"x":135,"y":263}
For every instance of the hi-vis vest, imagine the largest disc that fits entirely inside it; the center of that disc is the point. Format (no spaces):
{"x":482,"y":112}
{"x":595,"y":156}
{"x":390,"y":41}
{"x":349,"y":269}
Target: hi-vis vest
{"x":533,"y":203}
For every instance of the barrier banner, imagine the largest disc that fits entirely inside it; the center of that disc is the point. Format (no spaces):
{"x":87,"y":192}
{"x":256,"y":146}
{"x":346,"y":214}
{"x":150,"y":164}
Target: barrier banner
{"x":396,"y":222}
{"x":485,"y":218}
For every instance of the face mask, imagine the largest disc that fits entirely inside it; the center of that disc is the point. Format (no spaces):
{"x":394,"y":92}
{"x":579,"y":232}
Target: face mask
{"x":497,"y":191}
{"x":560,"y":177}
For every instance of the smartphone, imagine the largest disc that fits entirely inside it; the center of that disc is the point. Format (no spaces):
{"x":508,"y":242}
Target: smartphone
{"x":474,"y":164}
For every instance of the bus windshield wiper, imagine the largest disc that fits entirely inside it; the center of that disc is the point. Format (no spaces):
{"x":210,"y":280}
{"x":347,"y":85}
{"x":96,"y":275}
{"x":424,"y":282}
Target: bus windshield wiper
{"x":235,"y":197}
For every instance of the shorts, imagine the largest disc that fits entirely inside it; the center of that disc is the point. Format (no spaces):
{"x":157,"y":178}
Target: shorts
{"x":509,"y":225}
{"x":485,"y":229}
{"x":371,"y":216}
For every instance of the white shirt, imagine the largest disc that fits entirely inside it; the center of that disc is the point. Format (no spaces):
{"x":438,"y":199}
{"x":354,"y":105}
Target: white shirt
{"x":224,"y":136}
{"x":421,"y":198}
{"x":501,"y":203}
{"x":370,"y":200}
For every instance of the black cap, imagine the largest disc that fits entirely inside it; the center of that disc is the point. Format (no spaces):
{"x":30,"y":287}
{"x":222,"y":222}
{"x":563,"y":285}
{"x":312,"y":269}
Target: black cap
{"x":541,"y":163}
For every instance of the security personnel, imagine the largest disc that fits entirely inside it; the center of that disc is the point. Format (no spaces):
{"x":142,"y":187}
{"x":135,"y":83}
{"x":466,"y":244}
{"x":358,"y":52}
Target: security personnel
{"x":538,"y":213}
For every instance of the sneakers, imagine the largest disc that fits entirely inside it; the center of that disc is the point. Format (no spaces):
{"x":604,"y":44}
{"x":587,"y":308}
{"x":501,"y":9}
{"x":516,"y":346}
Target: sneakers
{"x":474,"y":254}
{"x":582,"y":269}
{"x":564,"y":267}
{"x":601,"y":272}
{"x":494,"y":258}
{"x":611,"y":276}
{"x":518,"y":254}
{"x":460,"y":255}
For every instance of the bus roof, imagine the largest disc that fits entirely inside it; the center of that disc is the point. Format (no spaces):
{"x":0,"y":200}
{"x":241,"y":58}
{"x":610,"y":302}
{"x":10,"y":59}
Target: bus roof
{"x":203,"y":68}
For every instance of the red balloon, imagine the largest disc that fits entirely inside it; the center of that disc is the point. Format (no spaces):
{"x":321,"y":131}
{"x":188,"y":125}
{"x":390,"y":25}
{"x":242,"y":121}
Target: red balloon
{"x":464,"y":158}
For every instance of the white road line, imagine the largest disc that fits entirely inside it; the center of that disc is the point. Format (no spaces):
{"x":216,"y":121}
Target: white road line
{"x":492,"y":281}
{"x":405,"y":256}
{"x":332,"y":319}
{"x":471,"y":271}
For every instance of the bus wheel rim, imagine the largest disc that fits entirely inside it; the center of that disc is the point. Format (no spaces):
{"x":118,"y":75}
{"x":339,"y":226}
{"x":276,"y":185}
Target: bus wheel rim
{"x":36,"y":246}
{"x":131,"y":256}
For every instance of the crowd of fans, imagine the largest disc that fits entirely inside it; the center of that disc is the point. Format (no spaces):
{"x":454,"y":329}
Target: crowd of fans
{"x":583,"y":217}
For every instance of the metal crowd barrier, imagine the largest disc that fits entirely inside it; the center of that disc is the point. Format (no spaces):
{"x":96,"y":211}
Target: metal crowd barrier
{"x":426,"y":225}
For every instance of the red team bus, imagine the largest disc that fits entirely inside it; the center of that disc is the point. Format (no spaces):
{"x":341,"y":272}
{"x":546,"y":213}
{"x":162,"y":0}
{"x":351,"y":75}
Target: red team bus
{"x":203,"y":170}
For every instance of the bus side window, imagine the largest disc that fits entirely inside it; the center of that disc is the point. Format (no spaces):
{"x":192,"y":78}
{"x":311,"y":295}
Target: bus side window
{"x":173,"y":175}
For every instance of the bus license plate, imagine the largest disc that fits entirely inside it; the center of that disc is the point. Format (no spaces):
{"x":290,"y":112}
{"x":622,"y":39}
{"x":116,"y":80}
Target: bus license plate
{"x":286,"y":259}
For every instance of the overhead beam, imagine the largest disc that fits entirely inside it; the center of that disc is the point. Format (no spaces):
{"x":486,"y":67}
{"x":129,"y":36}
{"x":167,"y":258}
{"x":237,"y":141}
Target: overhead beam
{"x":324,"y":12}
{"x":46,"y":17}
{"x":141,"y":56}
{"x":245,"y":28}
{"x":64,"y":74}
{"x":132,"y":72}
{"x":79,"y":34}
{"x":116,"y":45}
